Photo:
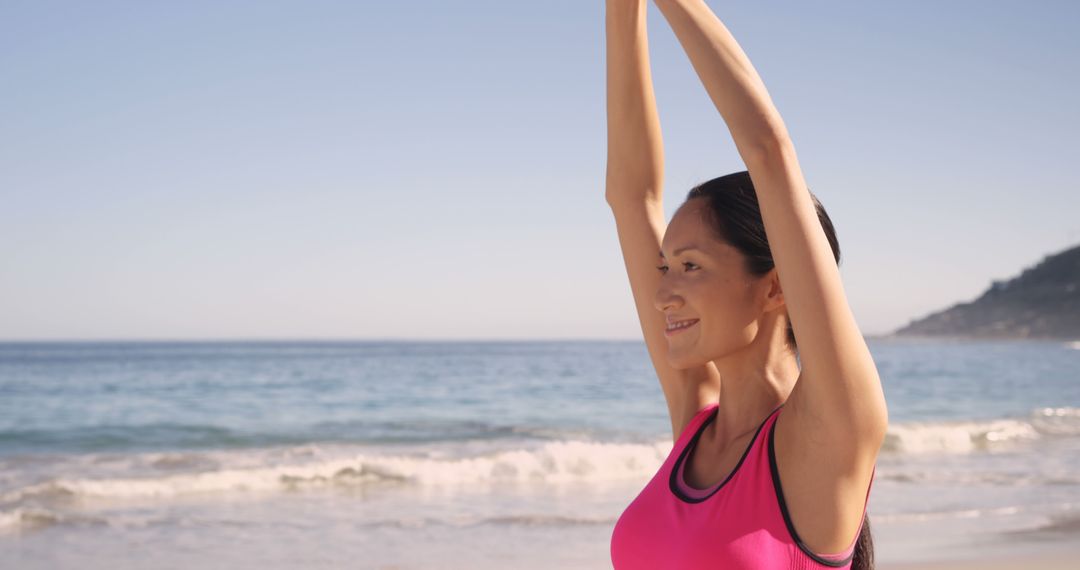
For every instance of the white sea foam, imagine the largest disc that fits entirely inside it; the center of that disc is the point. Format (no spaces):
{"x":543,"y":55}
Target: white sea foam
{"x":552,"y":462}
{"x":24,"y":518}
{"x":549,"y":462}
{"x":970,"y":436}
{"x":909,"y":517}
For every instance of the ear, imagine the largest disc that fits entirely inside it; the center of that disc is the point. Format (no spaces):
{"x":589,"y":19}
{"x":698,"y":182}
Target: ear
{"x":774,"y":295}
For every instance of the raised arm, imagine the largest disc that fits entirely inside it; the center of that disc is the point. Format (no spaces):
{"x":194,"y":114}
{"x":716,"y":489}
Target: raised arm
{"x":838,"y":400}
{"x":634,"y":191}
{"x":731,"y":81}
{"x":635,"y":161}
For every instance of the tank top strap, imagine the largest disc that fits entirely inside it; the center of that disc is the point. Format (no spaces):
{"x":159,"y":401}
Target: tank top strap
{"x":695,"y":422}
{"x":832,"y":559}
{"x":847,"y":552}
{"x":771,"y":419}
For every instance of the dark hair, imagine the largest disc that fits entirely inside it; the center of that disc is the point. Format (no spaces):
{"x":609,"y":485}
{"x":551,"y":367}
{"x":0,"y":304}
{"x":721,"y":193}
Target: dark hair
{"x":734,"y":216}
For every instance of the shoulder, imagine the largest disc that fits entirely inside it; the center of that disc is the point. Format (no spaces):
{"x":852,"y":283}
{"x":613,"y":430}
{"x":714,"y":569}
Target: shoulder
{"x":822,"y":500}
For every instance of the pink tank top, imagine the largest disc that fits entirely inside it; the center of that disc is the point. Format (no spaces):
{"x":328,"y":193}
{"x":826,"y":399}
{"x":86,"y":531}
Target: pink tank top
{"x":739,"y":523}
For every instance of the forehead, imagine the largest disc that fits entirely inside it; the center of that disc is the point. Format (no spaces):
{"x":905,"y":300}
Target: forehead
{"x":685,"y":227}
{"x":689,"y":229}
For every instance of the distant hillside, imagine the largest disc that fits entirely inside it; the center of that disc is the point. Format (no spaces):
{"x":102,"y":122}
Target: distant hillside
{"x":1042,"y":302}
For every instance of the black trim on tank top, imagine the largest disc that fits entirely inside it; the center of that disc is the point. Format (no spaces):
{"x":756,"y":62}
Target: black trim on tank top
{"x":693,"y":441}
{"x":787,"y":516}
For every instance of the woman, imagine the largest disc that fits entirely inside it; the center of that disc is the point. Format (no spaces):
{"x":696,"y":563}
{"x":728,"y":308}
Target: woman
{"x":774,"y":451}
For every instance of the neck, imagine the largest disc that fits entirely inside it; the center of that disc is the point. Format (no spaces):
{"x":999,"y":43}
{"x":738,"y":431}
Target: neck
{"x":753,"y":383}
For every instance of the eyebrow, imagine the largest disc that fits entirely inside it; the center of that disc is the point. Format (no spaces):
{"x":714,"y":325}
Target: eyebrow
{"x":681,"y":249}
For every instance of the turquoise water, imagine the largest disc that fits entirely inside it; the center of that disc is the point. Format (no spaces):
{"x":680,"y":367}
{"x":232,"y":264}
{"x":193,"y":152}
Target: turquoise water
{"x":351,"y":453}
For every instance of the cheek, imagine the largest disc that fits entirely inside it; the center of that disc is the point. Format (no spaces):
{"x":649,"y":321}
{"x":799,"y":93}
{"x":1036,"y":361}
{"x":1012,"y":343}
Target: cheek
{"x":726,"y":306}
{"x":725,"y":297}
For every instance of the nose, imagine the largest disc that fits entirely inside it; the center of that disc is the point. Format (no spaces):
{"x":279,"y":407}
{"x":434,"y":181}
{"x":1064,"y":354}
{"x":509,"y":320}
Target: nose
{"x":665,"y":298}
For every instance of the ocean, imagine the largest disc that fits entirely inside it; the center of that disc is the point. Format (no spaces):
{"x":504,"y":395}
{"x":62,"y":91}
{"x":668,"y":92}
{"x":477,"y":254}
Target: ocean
{"x":417,"y":455}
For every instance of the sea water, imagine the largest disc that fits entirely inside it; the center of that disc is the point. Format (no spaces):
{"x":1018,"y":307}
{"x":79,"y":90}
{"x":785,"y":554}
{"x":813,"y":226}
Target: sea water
{"x":417,"y":455}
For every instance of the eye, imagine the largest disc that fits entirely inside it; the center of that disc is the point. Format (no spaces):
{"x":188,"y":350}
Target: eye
{"x":663,"y":268}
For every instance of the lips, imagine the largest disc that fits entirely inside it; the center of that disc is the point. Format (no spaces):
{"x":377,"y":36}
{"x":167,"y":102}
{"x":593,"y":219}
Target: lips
{"x":680,"y":326}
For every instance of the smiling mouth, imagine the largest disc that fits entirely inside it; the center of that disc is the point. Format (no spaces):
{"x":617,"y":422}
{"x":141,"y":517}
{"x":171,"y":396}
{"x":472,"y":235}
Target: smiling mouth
{"x":681,"y":327}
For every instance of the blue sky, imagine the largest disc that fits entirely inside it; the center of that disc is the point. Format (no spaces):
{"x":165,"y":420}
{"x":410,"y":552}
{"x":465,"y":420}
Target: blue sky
{"x":250,"y":170}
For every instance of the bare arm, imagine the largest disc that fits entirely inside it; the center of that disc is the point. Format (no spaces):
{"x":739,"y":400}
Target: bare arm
{"x":635,"y":162}
{"x":731,"y":81}
{"x":635,"y":194}
{"x":839,"y":392}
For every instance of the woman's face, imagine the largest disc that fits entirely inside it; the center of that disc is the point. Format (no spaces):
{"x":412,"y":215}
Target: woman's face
{"x":704,"y":281}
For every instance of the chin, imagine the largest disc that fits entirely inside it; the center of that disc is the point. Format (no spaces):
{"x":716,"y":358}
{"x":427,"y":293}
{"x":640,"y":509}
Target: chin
{"x":680,"y":361}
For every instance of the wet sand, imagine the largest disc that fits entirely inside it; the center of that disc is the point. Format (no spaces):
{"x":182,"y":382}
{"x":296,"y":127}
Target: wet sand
{"x":1054,"y":557}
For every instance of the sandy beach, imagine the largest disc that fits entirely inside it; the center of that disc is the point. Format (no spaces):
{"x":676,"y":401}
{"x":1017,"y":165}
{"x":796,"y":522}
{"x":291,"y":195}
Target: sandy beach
{"x":1054,"y":556}
{"x":1047,"y":562}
